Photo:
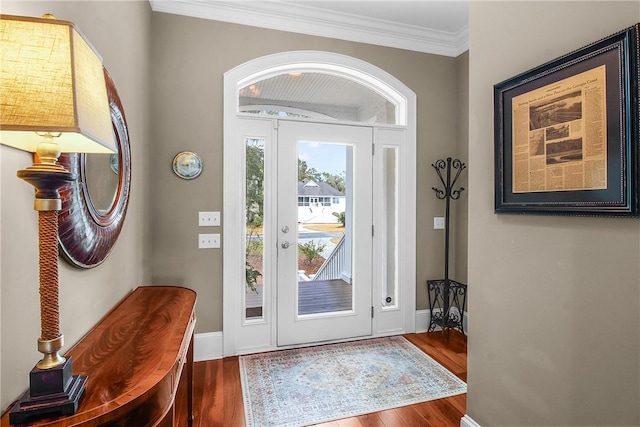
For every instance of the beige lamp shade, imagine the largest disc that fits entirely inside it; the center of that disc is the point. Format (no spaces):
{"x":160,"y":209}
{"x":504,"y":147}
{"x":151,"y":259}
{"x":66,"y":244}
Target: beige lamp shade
{"x":52,"y":80}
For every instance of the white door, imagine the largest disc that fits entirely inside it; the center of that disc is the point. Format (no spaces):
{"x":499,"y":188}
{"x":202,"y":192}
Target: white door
{"x":324,"y":268}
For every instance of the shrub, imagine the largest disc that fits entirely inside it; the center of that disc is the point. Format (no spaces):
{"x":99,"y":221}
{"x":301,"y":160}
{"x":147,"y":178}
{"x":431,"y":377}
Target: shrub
{"x":251,"y":277}
{"x":311,"y":250}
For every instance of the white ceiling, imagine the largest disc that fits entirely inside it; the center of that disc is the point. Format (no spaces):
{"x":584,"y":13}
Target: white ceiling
{"x":429,"y":26}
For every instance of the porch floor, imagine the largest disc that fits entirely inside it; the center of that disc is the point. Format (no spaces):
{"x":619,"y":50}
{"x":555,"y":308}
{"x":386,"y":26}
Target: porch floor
{"x":322,"y":296}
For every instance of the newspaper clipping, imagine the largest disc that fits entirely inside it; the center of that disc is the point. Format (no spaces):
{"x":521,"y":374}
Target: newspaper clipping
{"x":559,"y":135}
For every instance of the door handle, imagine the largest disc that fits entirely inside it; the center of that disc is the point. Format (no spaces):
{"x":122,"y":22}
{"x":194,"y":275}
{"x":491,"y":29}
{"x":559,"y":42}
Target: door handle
{"x":284,"y":244}
{"x":285,"y":229}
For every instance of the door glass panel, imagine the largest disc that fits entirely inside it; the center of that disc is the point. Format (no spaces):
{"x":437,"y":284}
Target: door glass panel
{"x":324,"y":266}
{"x":390,"y":238}
{"x":317,"y":96}
{"x":324,"y":228}
{"x":254,"y":217}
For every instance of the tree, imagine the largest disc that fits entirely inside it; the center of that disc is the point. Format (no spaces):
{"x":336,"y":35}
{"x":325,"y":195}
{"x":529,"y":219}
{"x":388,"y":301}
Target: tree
{"x":254,"y":205}
{"x":255,"y":182}
{"x":309,"y":173}
{"x":336,"y":181}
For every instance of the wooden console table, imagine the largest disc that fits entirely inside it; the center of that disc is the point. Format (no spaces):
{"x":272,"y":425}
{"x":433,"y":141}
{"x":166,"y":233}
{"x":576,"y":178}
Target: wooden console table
{"x":134,"y":359}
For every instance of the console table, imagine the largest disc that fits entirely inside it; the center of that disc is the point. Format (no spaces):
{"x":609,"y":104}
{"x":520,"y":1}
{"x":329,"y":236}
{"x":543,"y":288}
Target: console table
{"x":134,"y":359}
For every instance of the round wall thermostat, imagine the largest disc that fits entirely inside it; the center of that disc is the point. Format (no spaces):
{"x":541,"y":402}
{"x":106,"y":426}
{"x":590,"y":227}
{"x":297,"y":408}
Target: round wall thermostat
{"x":187,"y":165}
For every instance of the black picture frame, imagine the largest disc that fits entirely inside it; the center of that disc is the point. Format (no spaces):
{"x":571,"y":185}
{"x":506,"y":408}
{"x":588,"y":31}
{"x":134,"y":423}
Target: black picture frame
{"x":567,"y":133}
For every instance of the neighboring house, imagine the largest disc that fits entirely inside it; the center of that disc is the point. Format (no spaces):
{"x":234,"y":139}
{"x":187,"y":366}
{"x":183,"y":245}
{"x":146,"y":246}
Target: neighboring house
{"x":317,"y":201}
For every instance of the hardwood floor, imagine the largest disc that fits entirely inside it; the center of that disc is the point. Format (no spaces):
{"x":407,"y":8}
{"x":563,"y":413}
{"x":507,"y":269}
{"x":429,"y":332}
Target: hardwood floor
{"x":218,"y":393}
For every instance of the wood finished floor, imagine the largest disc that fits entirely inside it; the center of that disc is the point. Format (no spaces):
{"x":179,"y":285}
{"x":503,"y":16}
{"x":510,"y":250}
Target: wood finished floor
{"x":218,"y":393}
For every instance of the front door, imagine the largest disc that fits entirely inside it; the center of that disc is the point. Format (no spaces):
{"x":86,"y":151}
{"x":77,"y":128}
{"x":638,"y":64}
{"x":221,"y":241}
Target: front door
{"x":324,"y":232}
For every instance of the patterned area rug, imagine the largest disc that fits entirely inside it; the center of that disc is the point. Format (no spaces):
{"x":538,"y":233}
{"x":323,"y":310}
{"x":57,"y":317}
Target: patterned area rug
{"x":324,"y":383}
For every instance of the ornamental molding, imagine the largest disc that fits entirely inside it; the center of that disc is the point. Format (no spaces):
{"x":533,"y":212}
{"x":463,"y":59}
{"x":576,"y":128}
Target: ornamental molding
{"x":301,"y":19}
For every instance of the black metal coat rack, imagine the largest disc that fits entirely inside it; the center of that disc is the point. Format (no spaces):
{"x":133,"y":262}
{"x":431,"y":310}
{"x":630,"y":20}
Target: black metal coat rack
{"x":445,"y":294}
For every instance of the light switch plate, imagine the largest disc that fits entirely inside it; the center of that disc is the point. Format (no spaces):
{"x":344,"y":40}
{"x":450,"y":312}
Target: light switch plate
{"x":208,"y":219}
{"x":438,"y":223}
{"x":208,"y":241}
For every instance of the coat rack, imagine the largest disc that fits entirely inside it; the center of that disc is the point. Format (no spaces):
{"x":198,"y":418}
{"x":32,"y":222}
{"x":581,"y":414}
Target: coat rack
{"x":446,"y":294}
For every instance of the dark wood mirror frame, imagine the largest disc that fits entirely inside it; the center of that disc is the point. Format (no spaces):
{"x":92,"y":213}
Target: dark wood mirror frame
{"x":86,"y":235}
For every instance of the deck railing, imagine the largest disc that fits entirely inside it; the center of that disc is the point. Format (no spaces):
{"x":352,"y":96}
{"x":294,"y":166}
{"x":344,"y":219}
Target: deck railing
{"x":333,"y":266}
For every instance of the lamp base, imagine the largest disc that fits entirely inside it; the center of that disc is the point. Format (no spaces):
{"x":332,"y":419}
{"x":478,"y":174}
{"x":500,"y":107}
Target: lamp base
{"x":53,"y":392}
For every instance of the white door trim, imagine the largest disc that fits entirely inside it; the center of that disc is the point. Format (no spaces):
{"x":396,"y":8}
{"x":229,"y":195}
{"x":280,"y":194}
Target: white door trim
{"x":385,"y":321}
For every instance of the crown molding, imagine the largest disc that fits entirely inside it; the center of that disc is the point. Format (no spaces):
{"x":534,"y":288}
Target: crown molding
{"x":297,"y":18}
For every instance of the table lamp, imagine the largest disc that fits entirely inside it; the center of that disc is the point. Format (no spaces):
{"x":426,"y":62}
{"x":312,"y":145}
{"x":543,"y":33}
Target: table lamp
{"x":53,"y":99}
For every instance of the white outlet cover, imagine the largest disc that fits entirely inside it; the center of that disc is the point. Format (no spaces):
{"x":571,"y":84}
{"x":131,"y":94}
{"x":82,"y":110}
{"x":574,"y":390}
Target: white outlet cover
{"x":208,"y":241}
{"x":208,"y":219}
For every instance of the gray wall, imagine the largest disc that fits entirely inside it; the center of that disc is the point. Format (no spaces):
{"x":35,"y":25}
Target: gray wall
{"x":460,"y":208}
{"x":189,"y":58}
{"x":554,"y":321}
{"x":120,"y":32}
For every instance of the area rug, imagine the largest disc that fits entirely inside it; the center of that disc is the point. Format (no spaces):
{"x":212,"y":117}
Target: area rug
{"x":311,"y":385}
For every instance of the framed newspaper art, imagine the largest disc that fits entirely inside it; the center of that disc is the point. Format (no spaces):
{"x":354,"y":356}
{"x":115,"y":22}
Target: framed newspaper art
{"x":566,"y":133}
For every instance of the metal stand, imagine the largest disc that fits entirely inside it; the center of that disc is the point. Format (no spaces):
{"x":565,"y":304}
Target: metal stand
{"x":447,"y":298}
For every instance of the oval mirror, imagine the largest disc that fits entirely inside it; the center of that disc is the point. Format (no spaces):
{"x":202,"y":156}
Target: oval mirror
{"x":94,"y":206}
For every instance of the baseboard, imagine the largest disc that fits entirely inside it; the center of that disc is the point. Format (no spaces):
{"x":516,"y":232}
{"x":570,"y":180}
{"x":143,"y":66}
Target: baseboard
{"x":207,"y":346}
{"x":467,"y":421}
{"x":422,"y":321}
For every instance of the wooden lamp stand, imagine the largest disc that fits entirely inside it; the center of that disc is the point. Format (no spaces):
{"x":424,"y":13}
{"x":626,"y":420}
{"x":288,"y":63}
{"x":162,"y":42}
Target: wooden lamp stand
{"x":53,"y":389}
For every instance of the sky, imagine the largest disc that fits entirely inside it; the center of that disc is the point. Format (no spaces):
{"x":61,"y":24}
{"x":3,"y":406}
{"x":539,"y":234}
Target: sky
{"x":329,"y":158}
